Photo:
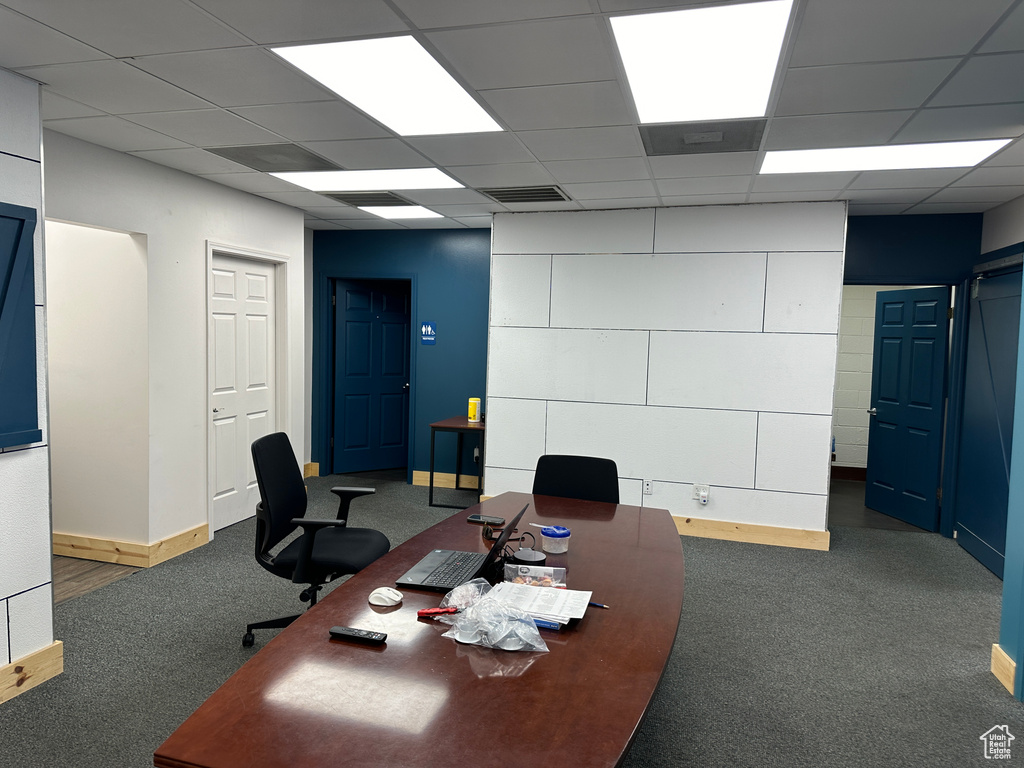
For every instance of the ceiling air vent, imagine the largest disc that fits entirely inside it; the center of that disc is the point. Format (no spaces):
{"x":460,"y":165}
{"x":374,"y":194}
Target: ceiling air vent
{"x":367,"y":198}
{"x":271,"y":158}
{"x":526,"y":194}
{"x":702,"y":138}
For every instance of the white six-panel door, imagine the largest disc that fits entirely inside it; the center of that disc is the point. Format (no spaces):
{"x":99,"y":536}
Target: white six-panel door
{"x":242,"y":389}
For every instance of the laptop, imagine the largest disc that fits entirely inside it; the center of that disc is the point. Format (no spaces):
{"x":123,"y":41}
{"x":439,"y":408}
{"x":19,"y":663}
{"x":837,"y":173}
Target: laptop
{"x":444,"y":569}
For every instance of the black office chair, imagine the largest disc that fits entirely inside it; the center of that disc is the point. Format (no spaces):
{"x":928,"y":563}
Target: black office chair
{"x":325,"y":549}
{"x":577,"y":477}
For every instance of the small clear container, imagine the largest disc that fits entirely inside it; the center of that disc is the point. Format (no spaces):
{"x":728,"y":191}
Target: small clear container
{"x":555,"y":539}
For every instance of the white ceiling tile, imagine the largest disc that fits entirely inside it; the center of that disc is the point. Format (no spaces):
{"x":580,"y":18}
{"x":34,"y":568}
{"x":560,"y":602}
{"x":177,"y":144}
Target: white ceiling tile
{"x":605,"y":189}
{"x":235,"y":77}
{"x":964,"y":123}
{"x":444,"y":223}
{"x":373,"y":222}
{"x":475,"y":222}
{"x":861,"y":87}
{"x":730,"y":199}
{"x":320,"y":211}
{"x":349,"y":213}
{"x":799,"y":182}
{"x":989,"y":79}
{"x":502,"y":175}
{"x":614,"y":203}
{"x":788,"y":197}
{"x":321,"y":224}
{"x":560,"y":51}
{"x":845,"y":130}
{"x":205,"y":127}
{"x":977,"y":194}
{"x":835,"y":31}
{"x":131,"y":27}
{"x":919,"y":179}
{"x":252,"y":181}
{"x":578,"y":105}
{"x":467,"y":210}
{"x":29,"y":43}
{"x":54,"y":107}
{"x":606,"y":169}
{"x":301,"y":20}
{"x":718,"y":164}
{"x":1012,"y":154}
{"x":113,"y":87}
{"x":472,"y":149}
{"x":583,"y":143}
{"x":872,"y":209}
{"x":433,"y":197}
{"x":939,"y":208}
{"x":361,"y":154}
{"x":648,"y":5}
{"x":1010,"y":34}
{"x":1010,"y":175}
{"x":708,"y":185}
{"x":191,"y":160}
{"x":314,"y":121}
{"x":902,"y":197}
{"x":456,"y":13}
{"x":113,"y":132}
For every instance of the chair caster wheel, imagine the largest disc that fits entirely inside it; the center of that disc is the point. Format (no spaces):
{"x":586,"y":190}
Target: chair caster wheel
{"x":248,"y":640}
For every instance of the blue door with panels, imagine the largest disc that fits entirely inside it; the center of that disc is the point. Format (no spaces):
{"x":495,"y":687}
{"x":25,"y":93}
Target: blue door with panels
{"x":371,"y":375}
{"x":986,"y":431}
{"x":908,"y":388}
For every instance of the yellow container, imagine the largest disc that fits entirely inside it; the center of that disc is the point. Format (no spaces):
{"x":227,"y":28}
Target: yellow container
{"x":474,"y":409}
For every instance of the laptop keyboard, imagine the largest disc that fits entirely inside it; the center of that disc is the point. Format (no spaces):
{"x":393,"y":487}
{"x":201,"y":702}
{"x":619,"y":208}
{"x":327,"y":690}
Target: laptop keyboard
{"x":457,"y":568}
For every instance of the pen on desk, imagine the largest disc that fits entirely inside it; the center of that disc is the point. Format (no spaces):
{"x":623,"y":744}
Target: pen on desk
{"x":597,"y":605}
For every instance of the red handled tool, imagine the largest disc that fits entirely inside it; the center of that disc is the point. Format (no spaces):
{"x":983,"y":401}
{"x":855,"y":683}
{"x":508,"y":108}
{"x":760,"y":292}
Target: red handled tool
{"x":436,"y":611}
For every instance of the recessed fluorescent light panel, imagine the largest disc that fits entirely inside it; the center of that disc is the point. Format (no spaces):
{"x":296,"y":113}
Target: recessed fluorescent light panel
{"x":400,"y":211}
{"x":395,"y":81}
{"x":949,"y":154}
{"x":714,"y":63}
{"x":375,"y":180}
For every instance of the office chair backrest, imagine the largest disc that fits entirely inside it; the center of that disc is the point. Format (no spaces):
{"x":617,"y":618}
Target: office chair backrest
{"x":282,"y":491}
{"x":577,"y":477}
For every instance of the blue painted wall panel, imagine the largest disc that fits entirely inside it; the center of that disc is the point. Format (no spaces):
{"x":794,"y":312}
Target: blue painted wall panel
{"x":450,"y":275}
{"x":911,"y":250}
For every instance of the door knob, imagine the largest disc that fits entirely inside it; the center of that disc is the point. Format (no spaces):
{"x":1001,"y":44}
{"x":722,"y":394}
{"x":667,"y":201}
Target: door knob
{"x":873,"y":411}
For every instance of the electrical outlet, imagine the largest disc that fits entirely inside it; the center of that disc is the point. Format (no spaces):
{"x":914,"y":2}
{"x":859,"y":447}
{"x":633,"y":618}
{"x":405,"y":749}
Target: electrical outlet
{"x":701,"y":491}
{"x":648,"y":487}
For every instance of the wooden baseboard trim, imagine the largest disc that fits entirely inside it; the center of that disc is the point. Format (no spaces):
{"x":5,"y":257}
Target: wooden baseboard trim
{"x":311,"y":470}
{"x":754,"y":534}
{"x":445,"y":480}
{"x":1003,"y":667}
{"x":129,"y":552}
{"x":28,"y":672}
{"x":849,"y":473}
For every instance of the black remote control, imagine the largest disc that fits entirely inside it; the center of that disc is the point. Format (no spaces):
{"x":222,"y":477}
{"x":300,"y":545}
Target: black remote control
{"x":359,"y":635}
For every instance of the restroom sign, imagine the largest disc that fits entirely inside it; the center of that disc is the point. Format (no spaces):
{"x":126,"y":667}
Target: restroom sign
{"x":428,"y":333}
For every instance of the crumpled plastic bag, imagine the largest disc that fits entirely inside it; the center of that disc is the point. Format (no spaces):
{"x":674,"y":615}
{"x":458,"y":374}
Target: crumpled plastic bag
{"x":488,"y":621}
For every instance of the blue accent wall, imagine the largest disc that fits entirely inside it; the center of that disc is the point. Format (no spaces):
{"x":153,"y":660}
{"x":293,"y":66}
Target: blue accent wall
{"x":912,"y":250}
{"x":449,"y":271}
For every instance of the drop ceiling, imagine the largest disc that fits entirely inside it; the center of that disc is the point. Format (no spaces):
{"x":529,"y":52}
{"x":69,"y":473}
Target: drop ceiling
{"x":176,"y":81}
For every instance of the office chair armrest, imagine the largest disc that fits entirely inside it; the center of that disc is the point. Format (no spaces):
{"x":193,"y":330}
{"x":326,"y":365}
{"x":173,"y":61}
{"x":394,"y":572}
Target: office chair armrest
{"x":309,"y":531}
{"x":345,"y":496}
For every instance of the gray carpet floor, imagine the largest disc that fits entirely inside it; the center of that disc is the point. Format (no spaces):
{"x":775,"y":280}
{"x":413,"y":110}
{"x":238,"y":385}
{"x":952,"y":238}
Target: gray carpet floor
{"x":873,"y":654}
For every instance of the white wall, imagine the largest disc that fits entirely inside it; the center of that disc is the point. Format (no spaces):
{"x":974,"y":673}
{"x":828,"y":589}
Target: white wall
{"x":690,"y":345}
{"x":1003,"y":226}
{"x":26,"y":595}
{"x":97,"y":330}
{"x":179,"y":213}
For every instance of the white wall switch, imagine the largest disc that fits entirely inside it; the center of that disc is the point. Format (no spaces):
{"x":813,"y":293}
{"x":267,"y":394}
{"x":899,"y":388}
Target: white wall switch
{"x":648,"y":487}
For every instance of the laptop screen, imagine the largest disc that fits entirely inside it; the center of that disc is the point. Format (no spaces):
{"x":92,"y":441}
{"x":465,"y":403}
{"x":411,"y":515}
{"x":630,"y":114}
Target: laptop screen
{"x":502,"y":540}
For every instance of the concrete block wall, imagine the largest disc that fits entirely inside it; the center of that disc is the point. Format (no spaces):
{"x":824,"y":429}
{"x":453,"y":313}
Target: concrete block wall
{"x":690,"y":345}
{"x":26,"y":594}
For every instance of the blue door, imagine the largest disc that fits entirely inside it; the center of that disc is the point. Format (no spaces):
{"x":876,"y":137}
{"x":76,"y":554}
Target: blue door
{"x":986,"y":431}
{"x":371,"y":375}
{"x":908,"y":388}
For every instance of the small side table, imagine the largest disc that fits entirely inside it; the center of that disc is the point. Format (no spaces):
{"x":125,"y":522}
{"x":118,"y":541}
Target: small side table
{"x":461,"y":426}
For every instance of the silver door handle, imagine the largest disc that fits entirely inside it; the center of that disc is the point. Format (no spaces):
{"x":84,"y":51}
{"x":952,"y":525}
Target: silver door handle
{"x":873,"y":411}
{"x":406,"y":385}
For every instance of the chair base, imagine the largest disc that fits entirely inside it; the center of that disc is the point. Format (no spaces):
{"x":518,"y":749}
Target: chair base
{"x":249,"y":639}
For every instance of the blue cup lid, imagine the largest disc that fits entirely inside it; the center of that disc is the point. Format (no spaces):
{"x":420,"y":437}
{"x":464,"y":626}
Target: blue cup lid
{"x":555,"y":532}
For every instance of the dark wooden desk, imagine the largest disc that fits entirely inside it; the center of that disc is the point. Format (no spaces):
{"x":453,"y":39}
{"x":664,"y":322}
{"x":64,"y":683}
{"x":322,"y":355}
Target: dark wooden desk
{"x":460,"y":425}
{"x":425,"y":700}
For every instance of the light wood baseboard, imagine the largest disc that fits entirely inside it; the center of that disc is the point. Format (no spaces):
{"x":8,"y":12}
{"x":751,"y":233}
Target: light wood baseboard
{"x":754,"y":534}
{"x":1003,"y":667}
{"x":28,"y":672}
{"x":311,"y":470}
{"x":445,"y":480}
{"x":129,"y":552}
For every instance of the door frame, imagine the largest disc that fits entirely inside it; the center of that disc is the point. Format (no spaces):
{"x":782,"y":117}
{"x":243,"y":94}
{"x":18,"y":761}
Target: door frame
{"x":323,"y":359}
{"x":281,"y":263}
